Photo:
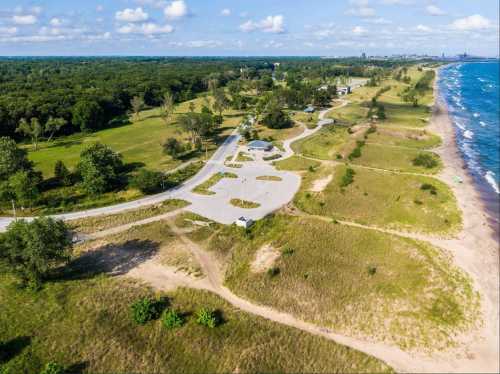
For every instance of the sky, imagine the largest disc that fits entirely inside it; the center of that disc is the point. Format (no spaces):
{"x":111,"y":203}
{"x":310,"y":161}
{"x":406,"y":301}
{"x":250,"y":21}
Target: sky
{"x":248,"y":27}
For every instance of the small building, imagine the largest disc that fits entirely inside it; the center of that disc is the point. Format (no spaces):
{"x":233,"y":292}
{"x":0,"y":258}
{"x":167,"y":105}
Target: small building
{"x":309,"y":109}
{"x":259,"y":145}
{"x":343,"y":90}
{"x":244,"y":222}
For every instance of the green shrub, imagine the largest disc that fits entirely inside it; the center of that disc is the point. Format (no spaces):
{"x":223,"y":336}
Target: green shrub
{"x":207,"y":317}
{"x":273,"y":272}
{"x":430,"y":188}
{"x":145,"y":310}
{"x":149,"y":182}
{"x":425,"y":160}
{"x":171,"y":319}
{"x":287,"y":252}
{"x":347,"y":178}
{"x":356,"y":153}
{"x":52,"y":368}
{"x":372,"y":270}
{"x":62,"y":174}
{"x":272,"y":157}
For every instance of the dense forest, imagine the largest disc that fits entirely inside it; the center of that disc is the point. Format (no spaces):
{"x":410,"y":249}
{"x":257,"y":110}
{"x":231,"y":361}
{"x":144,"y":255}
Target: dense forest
{"x":88,"y":94}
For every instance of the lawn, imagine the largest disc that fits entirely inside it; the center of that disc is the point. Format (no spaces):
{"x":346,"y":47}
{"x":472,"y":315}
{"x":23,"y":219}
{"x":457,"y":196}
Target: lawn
{"x":94,"y":224}
{"x":325,"y":144}
{"x":84,"y":323}
{"x":359,"y":282}
{"x":395,"y":159}
{"x":296,"y":163}
{"x":382,"y":199}
{"x":308,"y":119}
{"x":421,"y":139}
{"x":139,"y":141}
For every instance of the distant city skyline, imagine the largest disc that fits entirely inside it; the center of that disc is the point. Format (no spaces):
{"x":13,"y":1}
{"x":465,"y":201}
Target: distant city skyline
{"x":241,"y":28}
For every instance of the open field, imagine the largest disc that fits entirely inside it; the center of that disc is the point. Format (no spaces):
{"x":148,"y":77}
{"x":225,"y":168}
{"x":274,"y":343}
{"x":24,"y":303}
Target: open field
{"x":273,"y":135}
{"x":325,"y":144}
{"x":421,"y":139}
{"x":395,"y":159}
{"x":308,"y":119}
{"x":360,"y":282}
{"x":84,"y":323}
{"x":139,"y":140}
{"x":411,"y":203}
{"x":296,"y":163}
{"x":94,"y":224}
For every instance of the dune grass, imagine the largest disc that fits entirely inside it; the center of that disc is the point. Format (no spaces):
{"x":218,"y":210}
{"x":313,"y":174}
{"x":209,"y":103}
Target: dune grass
{"x":296,"y":163}
{"x":359,"y":282}
{"x":323,"y":145}
{"x":395,"y":159}
{"x":204,"y":188}
{"x":85,"y":325}
{"x":244,"y":204}
{"x":99,"y":223}
{"x":384,"y":199}
{"x":420,"y":139}
{"x":269,"y":178}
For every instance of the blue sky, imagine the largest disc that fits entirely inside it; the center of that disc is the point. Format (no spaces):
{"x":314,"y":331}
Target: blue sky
{"x":248,"y":27}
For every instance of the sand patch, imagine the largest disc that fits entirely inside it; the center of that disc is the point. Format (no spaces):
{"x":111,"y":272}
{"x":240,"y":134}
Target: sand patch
{"x":264,"y":258}
{"x":320,"y":184}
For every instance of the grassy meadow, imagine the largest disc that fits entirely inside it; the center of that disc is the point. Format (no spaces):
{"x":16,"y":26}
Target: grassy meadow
{"x":384,"y":199}
{"x":325,"y":144}
{"x":359,"y":282}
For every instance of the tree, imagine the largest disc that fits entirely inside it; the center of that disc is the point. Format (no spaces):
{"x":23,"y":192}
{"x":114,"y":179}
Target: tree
{"x":410,"y":95}
{"x":137,"y":104}
{"x":277,"y":119}
{"x":148,"y":181}
{"x":88,"y":115}
{"x":220,"y":102}
{"x":173,"y":147}
{"x":167,"y":107}
{"x":24,"y":188}
{"x":32,"y":249}
{"x":12,"y":158}
{"x":53,"y":125}
{"x":99,"y":168}
{"x":33,"y":129}
{"x":62,"y":174}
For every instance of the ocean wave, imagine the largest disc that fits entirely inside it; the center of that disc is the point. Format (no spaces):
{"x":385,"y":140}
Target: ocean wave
{"x":468,"y":134}
{"x":490,"y":178}
{"x":482,"y":123}
{"x":460,"y":126}
{"x":476,"y":115}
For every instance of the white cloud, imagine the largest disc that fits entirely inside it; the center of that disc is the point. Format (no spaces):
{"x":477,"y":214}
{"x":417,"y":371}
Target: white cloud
{"x":132,"y":15}
{"x":225,"y":12}
{"x":475,"y":22}
{"x":8,"y":30}
{"x":397,"y":2}
{"x":176,"y":9}
{"x":423,"y":28}
{"x":149,"y":28}
{"x":271,"y":24}
{"x":378,"y":21}
{"x":433,"y":10}
{"x":56,"y":22}
{"x":359,"y":30}
{"x":99,"y":8}
{"x":36,"y":9}
{"x":153,"y":3}
{"x":360,"y":8}
{"x":204,"y":44}
{"x":27,"y":19}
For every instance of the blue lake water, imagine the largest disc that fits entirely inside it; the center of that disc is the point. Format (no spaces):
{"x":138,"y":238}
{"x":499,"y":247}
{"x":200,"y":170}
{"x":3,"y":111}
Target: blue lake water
{"x":471,"y":92}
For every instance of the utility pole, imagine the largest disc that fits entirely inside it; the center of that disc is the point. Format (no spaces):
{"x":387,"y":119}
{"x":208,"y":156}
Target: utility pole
{"x":14,"y":209}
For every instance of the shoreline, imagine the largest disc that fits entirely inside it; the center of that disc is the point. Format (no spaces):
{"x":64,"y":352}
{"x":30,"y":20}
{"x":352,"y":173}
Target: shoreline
{"x":476,"y":248}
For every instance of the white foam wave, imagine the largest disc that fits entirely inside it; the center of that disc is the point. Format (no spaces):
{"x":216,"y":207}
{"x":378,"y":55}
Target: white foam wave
{"x":490,"y":178}
{"x":482,"y":123}
{"x":460,"y":126}
{"x":476,"y":115}
{"x":468,"y":134}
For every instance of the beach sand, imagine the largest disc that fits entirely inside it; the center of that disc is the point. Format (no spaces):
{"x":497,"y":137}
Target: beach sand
{"x":475,"y":249}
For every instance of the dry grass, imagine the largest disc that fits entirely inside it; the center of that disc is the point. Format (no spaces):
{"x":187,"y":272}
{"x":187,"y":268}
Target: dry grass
{"x":244,"y":204}
{"x":270,"y":178}
{"x":296,"y":163}
{"x":204,"y":188}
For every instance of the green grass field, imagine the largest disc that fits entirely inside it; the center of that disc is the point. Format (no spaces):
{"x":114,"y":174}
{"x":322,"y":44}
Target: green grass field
{"x":382,"y":199}
{"x":359,"y":282}
{"x":325,"y":144}
{"x":394,"y":158}
{"x":296,"y":163}
{"x":421,"y":139}
{"x":140,"y":141}
{"x":310,"y":120}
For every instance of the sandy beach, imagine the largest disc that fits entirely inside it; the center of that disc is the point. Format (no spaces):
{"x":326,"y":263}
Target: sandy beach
{"x":475,"y":249}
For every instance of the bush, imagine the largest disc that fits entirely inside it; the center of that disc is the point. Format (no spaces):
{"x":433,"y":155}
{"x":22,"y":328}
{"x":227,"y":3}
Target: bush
{"x":273,"y":272}
{"x":430,"y":188}
{"x":356,"y":153}
{"x":207,"y":317}
{"x":425,"y":160}
{"x":171,"y":319}
{"x":372,"y":270}
{"x":173,"y":147}
{"x":62,"y":174}
{"x":277,"y":119}
{"x":347,"y":178}
{"x":52,"y":368}
{"x":272,"y":157}
{"x":287,"y":252}
{"x":148,"y":181}
{"x":145,"y":310}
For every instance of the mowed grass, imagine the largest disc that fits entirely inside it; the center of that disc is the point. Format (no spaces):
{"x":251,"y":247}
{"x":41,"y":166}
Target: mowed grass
{"x":85,"y":325}
{"x":325,"y":144}
{"x":273,"y":135}
{"x":140,"y":141}
{"x":358,"y":282}
{"x":94,"y":224}
{"x":383,"y":199}
{"x":421,"y":139}
{"x":395,"y":159}
{"x":296,"y":163}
